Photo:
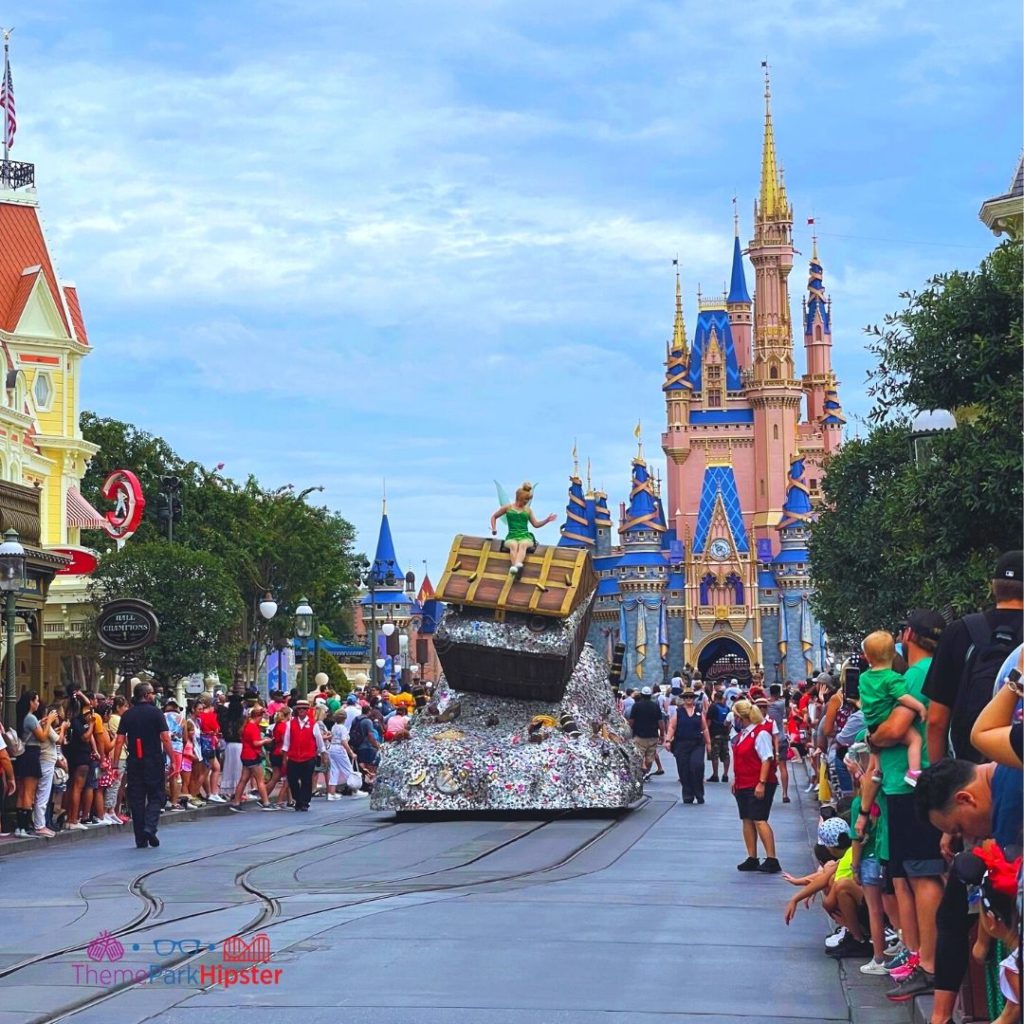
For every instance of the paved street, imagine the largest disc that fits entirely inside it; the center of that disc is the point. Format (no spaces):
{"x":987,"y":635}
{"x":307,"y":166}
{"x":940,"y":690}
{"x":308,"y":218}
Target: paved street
{"x":638,"y":919}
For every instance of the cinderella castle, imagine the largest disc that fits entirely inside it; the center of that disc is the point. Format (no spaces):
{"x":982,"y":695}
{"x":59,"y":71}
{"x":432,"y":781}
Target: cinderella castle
{"x":712,"y":569}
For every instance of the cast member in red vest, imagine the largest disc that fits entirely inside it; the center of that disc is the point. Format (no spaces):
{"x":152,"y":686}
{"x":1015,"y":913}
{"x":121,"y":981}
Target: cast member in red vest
{"x":754,"y":783}
{"x":302,"y":744}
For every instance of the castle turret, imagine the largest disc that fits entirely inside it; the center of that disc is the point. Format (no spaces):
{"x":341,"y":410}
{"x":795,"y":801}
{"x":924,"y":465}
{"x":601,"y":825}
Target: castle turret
{"x":602,"y":524}
{"x":775,"y":393}
{"x":677,"y":387}
{"x":579,"y":529}
{"x":817,"y":317}
{"x":738,"y":304}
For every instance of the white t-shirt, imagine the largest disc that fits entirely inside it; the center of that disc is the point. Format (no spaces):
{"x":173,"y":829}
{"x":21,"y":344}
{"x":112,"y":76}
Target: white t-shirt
{"x":732,"y":694}
{"x":352,"y":712}
{"x":677,"y":682}
{"x":339,"y":734}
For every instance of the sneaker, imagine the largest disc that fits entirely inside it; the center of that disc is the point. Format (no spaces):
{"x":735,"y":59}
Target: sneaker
{"x":750,"y":864}
{"x":45,"y":833}
{"x":126,"y":819}
{"x":112,"y":819}
{"x":899,"y":958}
{"x":849,"y":947}
{"x":713,"y":778}
{"x":874,"y":967}
{"x":911,"y":778}
{"x":660,"y":771}
{"x":332,"y":797}
{"x":216,"y":798}
{"x":811,"y":787}
{"x":904,"y":970}
{"x":835,"y":938}
{"x":21,"y":833}
{"x":76,"y":827}
{"x":249,"y":797}
{"x":769,"y":866}
{"x":361,"y":792}
{"x":893,"y":948}
{"x":267,"y":807}
{"x":918,"y":982}
{"x":194,"y":805}
{"x":237,"y":808}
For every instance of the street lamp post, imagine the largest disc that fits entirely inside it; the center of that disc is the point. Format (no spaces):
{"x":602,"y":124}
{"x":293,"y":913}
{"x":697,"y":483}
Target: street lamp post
{"x":304,"y":630}
{"x":12,"y":580}
{"x":368,"y":576}
{"x":268,"y":609}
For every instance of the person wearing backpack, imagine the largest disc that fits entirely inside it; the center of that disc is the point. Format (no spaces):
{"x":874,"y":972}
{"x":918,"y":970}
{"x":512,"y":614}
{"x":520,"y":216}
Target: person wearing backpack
{"x":972,"y":650}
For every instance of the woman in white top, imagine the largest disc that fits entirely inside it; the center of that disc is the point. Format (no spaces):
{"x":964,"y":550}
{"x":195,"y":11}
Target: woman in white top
{"x":49,"y":758}
{"x":340,"y":757}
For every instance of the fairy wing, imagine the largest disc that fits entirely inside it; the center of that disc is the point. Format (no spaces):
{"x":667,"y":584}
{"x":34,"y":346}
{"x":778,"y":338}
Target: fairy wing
{"x":503,"y":499}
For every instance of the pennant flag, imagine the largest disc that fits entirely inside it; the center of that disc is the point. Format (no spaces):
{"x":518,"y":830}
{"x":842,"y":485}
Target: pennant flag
{"x":641,"y":639}
{"x":636,"y":430}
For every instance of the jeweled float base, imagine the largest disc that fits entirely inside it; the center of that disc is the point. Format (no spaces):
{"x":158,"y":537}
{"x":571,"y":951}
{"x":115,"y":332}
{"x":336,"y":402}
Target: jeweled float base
{"x":480,"y":752}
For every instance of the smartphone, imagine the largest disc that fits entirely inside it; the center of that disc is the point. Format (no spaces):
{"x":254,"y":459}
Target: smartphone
{"x":851,"y":681}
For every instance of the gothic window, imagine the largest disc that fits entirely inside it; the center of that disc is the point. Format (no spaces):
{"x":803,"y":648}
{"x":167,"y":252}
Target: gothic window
{"x":773,"y":373}
{"x":775,"y":432}
{"x":734,"y":585}
{"x":713,"y":385}
{"x":706,"y":584}
{"x":817,"y":332}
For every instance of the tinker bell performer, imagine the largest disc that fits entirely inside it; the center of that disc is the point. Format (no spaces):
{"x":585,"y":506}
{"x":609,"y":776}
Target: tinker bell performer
{"x":519,"y":517}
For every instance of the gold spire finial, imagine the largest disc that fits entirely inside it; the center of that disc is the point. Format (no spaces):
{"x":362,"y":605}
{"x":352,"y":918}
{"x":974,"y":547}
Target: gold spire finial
{"x":639,"y":435}
{"x":679,"y":330}
{"x":773,"y":192}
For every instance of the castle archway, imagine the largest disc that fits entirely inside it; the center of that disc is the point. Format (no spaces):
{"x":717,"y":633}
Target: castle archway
{"x":725,"y":656}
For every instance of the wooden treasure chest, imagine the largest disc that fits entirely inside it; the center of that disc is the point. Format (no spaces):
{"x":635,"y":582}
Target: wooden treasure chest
{"x":553,"y":582}
{"x":514,"y":637}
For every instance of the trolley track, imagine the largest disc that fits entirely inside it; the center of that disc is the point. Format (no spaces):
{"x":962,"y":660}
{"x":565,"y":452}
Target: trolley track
{"x":273,"y":906}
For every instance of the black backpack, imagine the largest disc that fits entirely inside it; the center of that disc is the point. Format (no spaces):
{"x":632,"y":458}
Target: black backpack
{"x":989,"y":648}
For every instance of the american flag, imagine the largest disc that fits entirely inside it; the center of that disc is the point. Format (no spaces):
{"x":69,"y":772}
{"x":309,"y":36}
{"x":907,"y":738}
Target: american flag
{"x":7,"y":106}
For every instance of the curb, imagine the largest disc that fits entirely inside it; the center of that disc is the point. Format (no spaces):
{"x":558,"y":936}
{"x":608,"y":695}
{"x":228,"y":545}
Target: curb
{"x":14,"y":847}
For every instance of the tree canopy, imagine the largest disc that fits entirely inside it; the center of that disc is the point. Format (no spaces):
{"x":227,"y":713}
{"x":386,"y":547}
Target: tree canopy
{"x":259,"y":539}
{"x":893,"y":535}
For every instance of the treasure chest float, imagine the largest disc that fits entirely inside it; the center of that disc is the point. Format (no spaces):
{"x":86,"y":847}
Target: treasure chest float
{"x":513,"y":635}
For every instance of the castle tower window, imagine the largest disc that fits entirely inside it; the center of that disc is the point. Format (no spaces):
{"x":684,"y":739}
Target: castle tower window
{"x":773,"y":373}
{"x":734,"y":584}
{"x":817,"y":332}
{"x":775,"y":432}
{"x":706,"y":585}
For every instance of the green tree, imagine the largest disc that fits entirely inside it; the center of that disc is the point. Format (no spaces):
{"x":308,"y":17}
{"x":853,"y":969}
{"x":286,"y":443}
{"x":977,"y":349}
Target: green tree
{"x":894,"y":535}
{"x":335,"y":673}
{"x":194,"y":597}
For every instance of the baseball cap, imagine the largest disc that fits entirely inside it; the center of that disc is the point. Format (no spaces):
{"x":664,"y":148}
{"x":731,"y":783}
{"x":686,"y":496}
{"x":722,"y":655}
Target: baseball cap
{"x":926,"y":624}
{"x":646,"y":691}
{"x":171,"y":703}
{"x":829,"y":831}
{"x":1010,"y":566}
{"x":351,"y":699}
{"x":823,"y":677}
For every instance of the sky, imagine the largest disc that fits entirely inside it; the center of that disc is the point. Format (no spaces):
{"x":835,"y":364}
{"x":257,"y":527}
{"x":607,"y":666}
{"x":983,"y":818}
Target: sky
{"x":336,"y":243}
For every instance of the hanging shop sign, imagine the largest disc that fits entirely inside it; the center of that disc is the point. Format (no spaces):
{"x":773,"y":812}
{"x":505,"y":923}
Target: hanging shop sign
{"x":127,"y":625}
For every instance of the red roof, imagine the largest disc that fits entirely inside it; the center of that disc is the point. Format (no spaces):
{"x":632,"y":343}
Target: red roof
{"x":22,"y":291}
{"x":23,"y":246}
{"x":71,"y":294}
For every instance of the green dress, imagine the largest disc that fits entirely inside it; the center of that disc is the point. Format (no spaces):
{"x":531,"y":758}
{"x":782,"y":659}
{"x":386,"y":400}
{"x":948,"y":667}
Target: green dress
{"x":519,"y":526}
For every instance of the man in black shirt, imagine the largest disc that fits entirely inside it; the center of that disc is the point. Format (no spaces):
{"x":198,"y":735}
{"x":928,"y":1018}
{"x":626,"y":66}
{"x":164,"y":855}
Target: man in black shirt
{"x":143,"y":733}
{"x":648,"y":725}
{"x":950,"y":712}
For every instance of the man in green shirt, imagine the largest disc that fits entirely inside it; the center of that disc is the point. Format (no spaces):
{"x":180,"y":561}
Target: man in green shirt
{"x":915,"y":861}
{"x":333,"y":702}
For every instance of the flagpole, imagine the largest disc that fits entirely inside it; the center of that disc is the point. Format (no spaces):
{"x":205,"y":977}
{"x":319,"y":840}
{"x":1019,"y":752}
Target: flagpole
{"x":7,"y":60}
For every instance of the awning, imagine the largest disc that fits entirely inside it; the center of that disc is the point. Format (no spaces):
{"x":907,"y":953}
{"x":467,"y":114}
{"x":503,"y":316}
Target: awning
{"x":81,"y":513}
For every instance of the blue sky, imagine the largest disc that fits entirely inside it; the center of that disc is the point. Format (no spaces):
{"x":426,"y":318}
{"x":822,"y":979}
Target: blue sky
{"x":334,"y":242}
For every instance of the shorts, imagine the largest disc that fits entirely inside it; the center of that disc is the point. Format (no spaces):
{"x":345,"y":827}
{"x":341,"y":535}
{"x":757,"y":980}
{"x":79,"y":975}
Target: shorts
{"x":186,"y":766}
{"x":752,"y":809}
{"x":175,"y":762}
{"x":783,"y":749}
{"x":872,"y":872}
{"x":92,"y":776}
{"x":251,"y":762}
{"x":720,"y":747}
{"x":913,"y":844}
{"x":648,"y":747}
{"x":27,"y":765}
{"x":276,"y":760}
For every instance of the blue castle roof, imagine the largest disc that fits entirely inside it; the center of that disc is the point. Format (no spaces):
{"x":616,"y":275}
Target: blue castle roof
{"x":643,"y":512}
{"x":816,"y":303}
{"x":798,"y":509}
{"x":385,"y":561}
{"x":738,"y":284}
{"x":720,"y":482}
{"x":602,"y":514}
{"x":580,"y":528}
{"x":713,"y":323}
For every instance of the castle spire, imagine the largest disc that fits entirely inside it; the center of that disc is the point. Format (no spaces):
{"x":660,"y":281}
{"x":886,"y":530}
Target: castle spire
{"x":773,"y":204}
{"x":679,"y":328}
{"x":579,"y":529}
{"x":738,"y":283}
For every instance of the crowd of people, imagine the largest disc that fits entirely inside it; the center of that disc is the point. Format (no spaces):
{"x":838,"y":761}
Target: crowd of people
{"x":71,"y":765}
{"x":912,"y":746}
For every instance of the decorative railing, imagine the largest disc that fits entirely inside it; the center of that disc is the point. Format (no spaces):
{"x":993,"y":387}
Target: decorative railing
{"x":15,"y":174}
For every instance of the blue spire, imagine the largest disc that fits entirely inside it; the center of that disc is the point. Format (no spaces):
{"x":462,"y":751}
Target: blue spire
{"x":385,"y":561}
{"x":579,"y":529}
{"x":738,"y":285}
{"x":797,"y":511}
{"x":816,"y":302}
{"x":643,"y":512}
